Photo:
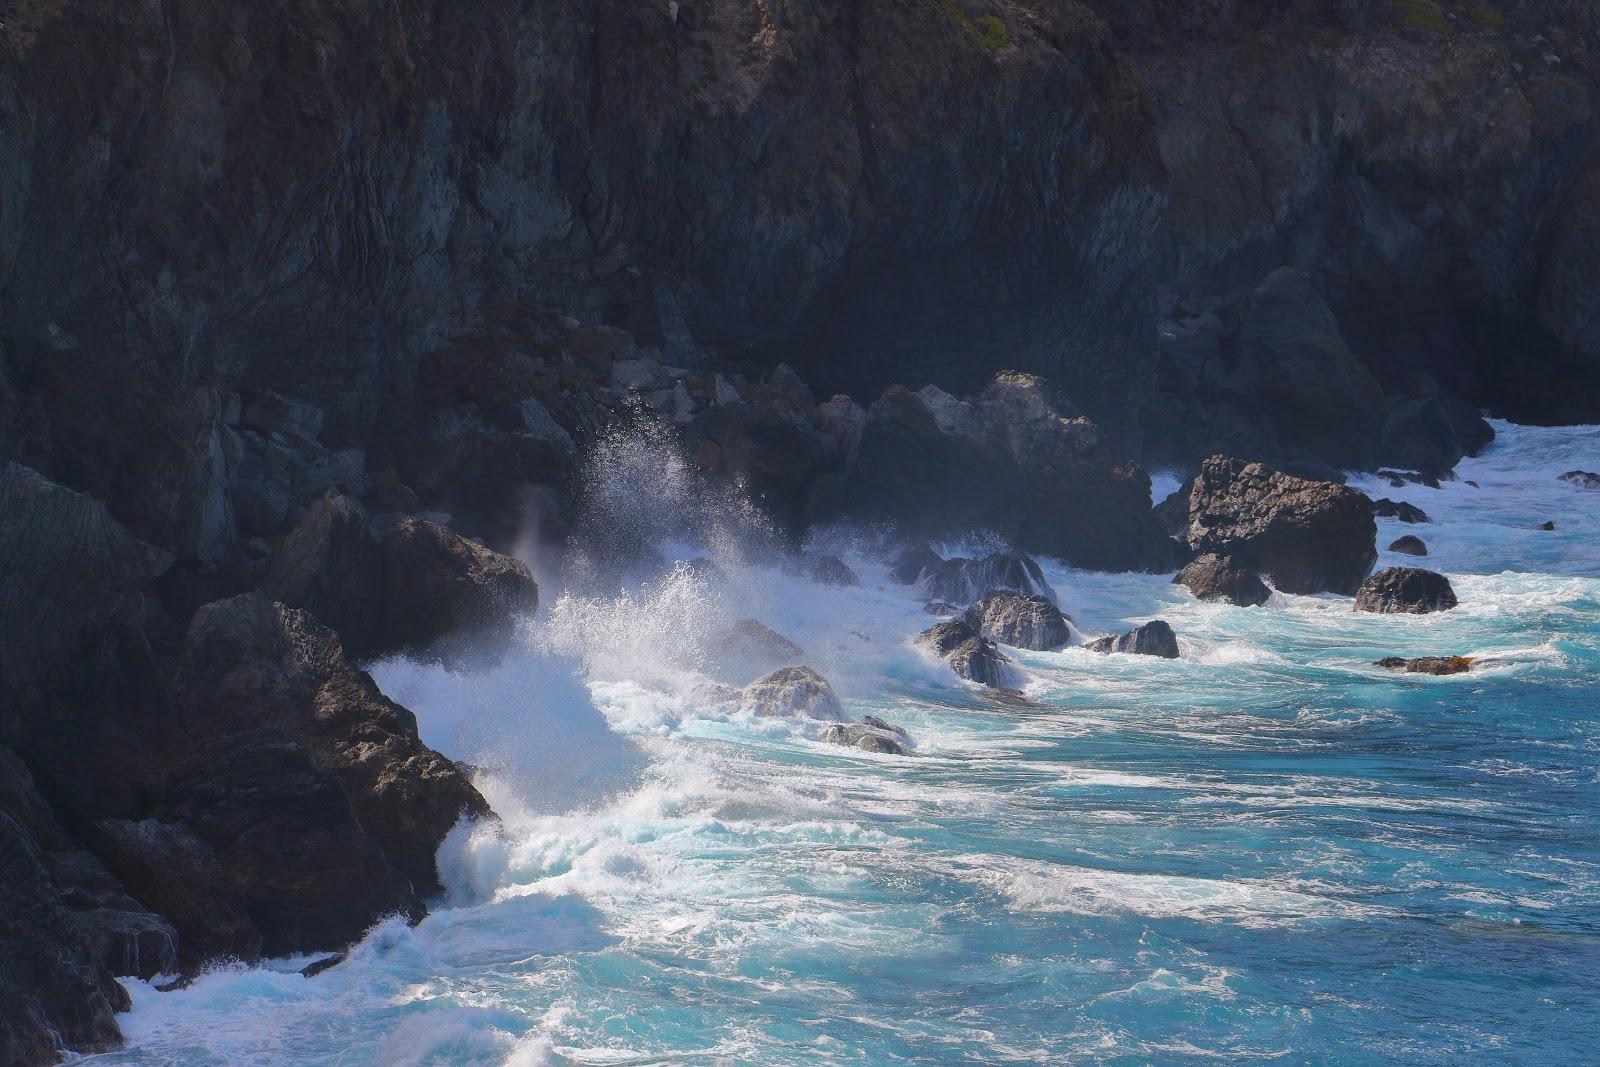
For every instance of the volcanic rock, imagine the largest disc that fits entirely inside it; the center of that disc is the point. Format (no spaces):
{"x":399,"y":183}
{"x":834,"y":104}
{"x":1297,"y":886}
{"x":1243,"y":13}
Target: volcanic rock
{"x":961,"y":581}
{"x":442,"y":592}
{"x":1214,"y":577}
{"x":970,"y":654}
{"x":1427,"y":664}
{"x":1019,"y":620}
{"x":1384,"y":508}
{"x":1408,"y":590}
{"x":1154,"y":638}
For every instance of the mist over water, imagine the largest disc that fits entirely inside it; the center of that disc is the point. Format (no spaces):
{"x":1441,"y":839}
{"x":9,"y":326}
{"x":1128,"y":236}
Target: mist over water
{"x":1265,"y":849}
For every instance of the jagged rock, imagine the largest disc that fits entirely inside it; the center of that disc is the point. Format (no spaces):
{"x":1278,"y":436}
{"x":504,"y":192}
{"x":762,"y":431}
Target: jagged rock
{"x":1305,"y":536}
{"x":1016,"y":459}
{"x":791,"y":692}
{"x":1385,"y":508}
{"x":126,"y":937}
{"x":831,"y":570}
{"x":1018,"y":620}
{"x":970,"y":654}
{"x":1173,"y":512}
{"x":911,"y":562}
{"x":1154,"y":638}
{"x":870,"y":734}
{"x":750,"y":648}
{"x":1427,"y":664}
{"x":1410,"y":590}
{"x":1409,"y":545}
{"x":940,"y":607}
{"x":442,"y":592}
{"x":1214,"y":577}
{"x":330,"y":565}
{"x":1582,"y":479}
{"x":961,"y":581}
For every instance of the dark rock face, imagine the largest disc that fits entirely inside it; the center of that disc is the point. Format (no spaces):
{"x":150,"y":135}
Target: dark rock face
{"x":1154,"y":638}
{"x":1385,"y":508}
{"x":329,"y":565}
{"x":870,"y":734}
{"x":961,"y":580}
{"x":971,"y":655}
{"x":1547,"y":525}
{"x":439,"y":585}
{"x":1582,"y":479}
{"x":1306,"y":536}
{"x":831,"y":570}
{"x":1018,"y":620}
{"x":1409,"y":545}
{"x":1427,"y":664}
{"x":1016,"y":459}
{"x":1410,"y":590}
{"x":791,"y":692}
{"x":1214,"y":577}
{"x":911,"y":562}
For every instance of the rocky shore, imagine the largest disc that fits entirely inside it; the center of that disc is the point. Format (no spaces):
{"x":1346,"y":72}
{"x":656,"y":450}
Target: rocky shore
{"x":310,"y":321}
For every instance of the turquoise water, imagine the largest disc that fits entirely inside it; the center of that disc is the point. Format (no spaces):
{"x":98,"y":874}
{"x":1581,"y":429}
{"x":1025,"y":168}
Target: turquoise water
{"x":1266,"y":849}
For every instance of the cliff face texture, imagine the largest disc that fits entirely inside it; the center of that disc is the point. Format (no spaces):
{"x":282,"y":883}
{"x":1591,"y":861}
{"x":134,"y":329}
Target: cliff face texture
{"x":298,"y":295}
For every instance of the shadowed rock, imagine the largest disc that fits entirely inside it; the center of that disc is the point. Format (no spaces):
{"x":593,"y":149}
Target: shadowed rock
{"x":970,"y":654}
{"x":791,"y":692}
{"x":1384,"y":508}
{"x":1214,"y":577}
{"x":870,"y":734}
{"x":909,"y":564}
{"x":1582,"y":479}
{"x":1154,"y":638}
{"x":961,"y":581}
{"x":1427,"y":664}
{"x":1019,"y":620}
{"x":831,"y":570}
{"x":1305,"y":536}
{"x":1409,"y":545}
{"x":1407,"y":590}
{"x":439,"y":587}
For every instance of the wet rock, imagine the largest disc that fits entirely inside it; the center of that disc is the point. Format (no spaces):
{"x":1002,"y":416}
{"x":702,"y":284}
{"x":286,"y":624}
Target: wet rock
{"x":831,"y":570}
{"x":1019,"y":620}
{"x":1427,"y":664}
{"x":1304,"y":536}
{"x":913,"y":561}
{"x":1409,"y":545}
{"x":791,"y":692}
{"x":443,"y":594}
{"x":776,"y":456}
{"x":1582,"y":479}
{"x":126,"y":937}
{"x":870,"y":734}
{"x":1384,"y":508}
{"x":316,"y":967}
{"x":1154,"y":638}
{"x":1215,"y":577}
{"x":1408,"y":590}
{"x":940,"y":607}
{"x":1397,"y":478}
{"x":971,"y":655}
{"x":330,"y":565}
{"x":750,"y":648}
{"x":961,"y":580}
{"x":1547,"y":525}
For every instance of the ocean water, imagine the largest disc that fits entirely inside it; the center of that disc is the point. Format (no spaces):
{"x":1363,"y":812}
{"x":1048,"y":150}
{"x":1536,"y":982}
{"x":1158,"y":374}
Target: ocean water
{"x":1267,"y":849}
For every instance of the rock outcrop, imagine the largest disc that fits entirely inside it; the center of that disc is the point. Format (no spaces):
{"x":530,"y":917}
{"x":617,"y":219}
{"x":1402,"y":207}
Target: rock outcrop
{"x":869,"y":734}
{"x":971,"y":655}
{"x":791,"y":692}
{"x":751,"y":648}
{"x":1019,"y":620}
{"x":1154,"y":638}
{"x":961,"y":580}
{"x":441,"y":587}
{"x":1427,"y":664}
{"x":1408,"y":590}
{"x":1305,"y":536}
{"x":1384,"y":508}
{"x":1214,"y":577}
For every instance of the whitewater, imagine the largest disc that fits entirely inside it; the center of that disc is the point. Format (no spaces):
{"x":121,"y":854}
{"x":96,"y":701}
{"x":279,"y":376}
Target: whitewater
{"x":1267,"y":849}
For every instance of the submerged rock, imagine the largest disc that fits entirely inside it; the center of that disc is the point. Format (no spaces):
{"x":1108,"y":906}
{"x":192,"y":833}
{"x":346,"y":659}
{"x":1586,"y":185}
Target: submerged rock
{"x":1154,"y":638}
{"x":791,"y":692}
{"x":1408,"y":590}
{"x":1409,"y":545}
{"x":1582,"y":479}
{"x":1213,"y":577}
{"x":1427,"y":664}
{"x":870,"y":734}
{"x":961,"y":581}
{"x":1020,"y":620}
{"x":1305,"y":536}
{"x":970,"y":654}
{"x":1384,"y":508}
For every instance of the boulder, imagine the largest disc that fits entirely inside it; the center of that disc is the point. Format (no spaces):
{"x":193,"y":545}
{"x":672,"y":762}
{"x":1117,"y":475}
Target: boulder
{"x":791,"y":692}
{"x":1304,"y":536}
{"x":1384,"y":508}
{"x":1214,"y":577}
{"x":831,"y":570}
{"x":1409,"y":590}
{"x":1154,"y":638}
{"x":970,"y":654}
{"x":330,"y":565}
{"x":870,"y":734}
{"x":1016,"y":459}
{"x":1547,"y":526}
{"x":1582,"y":479}
{"x":1409,"y":545}
{"x":961,"y":581}
{"x":1427,"y":664}
{"x":910,"y":563}
{"x":443,"y":593}
{"x":1019,"y":620}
